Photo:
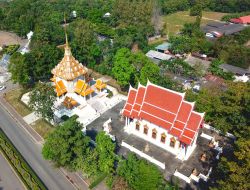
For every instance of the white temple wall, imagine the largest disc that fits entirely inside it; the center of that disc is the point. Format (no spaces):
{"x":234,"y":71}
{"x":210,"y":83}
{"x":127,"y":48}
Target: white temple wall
{"x":157,"y":141}
{"x":177,"y":150}
{"x":191,"y":147}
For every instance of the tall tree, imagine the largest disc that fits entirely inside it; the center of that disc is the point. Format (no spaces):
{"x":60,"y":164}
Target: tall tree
{"x":105,"y":149}
{"x":65,"y":145}
{"x":19,"y":69}
{"x":234,"y":173}
{"x":139,"y":174}
{"x":123,"y":70}
{"x":84,"y":44}
{"x":42,"y":99}
{"x":150,"y":72}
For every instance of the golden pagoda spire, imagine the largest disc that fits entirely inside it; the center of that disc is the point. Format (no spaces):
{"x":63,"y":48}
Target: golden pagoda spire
{"x":69,"y":68}
{"x":65,"y":30}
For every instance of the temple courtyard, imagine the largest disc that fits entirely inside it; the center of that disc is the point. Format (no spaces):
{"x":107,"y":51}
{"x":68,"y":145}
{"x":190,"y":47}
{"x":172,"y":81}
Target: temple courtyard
{"x":190,"y":173}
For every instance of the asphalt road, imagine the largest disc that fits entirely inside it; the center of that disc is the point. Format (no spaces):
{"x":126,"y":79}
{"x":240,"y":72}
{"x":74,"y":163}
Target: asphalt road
{"x":52,"y":177}
{"x":8,"y":179}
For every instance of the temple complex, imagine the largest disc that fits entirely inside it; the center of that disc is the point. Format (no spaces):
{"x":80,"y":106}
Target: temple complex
{"x":162,"y":117}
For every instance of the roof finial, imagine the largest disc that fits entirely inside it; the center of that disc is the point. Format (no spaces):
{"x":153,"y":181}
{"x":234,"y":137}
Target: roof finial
{"x":65,"y":30}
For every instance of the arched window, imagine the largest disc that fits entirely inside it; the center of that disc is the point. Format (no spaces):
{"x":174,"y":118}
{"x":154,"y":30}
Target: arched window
{"x":172,"y":142}
{"x":137,"y":126}
{"x":163,"y":138}
{"x":145,"y":130}
{"x":154,"y":133}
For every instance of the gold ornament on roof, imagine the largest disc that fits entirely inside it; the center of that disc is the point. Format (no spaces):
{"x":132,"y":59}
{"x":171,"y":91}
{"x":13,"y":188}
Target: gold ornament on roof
{"x":69,"y":68}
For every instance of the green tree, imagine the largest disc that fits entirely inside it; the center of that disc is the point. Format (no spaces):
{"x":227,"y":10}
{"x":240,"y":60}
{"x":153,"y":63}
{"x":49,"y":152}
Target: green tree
{"x":234,"y":173}
{"x":42,"y":99}
{"x":216,"y":70}
{"x":19,"y":69}
{"x":41,"y":60}
{"x":139,"y":174}
{"x":88,"y":163}
{"x":66,"y":144}
{"x":181,"y":44}
{"x":226,"y":110}
{"x":196,"y":10}
{"x":84,"y":44}
{"x":105,"y":149}
{"x":123,"y":70}
{"x":150,"y":72}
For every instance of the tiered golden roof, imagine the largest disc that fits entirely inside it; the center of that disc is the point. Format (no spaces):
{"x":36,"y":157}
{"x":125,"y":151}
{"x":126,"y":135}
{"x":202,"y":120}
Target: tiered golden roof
{"x":69,"y":68}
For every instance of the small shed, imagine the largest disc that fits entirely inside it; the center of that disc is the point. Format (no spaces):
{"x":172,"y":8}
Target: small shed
{"x":164,"y":47}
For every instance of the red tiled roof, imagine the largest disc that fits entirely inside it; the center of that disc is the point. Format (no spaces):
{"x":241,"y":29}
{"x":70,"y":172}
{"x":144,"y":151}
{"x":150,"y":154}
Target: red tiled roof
{"x":242,"y":20}
{"x":186,"y":108}
{"x":164,"y":108}
{"x":129,"y":104}
{"x":138,"y":101}
{"x":155,"y":96}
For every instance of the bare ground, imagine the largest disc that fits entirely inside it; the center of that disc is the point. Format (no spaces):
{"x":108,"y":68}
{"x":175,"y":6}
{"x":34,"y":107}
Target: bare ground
{"x":9,"y":38}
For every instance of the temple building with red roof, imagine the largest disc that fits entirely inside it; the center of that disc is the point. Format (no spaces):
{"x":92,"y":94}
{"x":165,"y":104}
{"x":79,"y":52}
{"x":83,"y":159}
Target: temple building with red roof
{"x":162,"y":117}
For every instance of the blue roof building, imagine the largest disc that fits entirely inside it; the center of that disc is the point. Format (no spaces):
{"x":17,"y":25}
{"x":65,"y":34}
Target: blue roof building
{"x":163,"y":47}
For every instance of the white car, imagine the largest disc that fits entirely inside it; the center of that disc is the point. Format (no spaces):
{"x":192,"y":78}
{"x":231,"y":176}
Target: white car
{"x":2,"y":88}
{"x":209,"y":35}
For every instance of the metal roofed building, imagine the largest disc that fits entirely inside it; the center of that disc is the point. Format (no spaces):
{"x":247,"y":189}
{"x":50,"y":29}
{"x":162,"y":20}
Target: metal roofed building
{"x":162,"y":117}
{"x":158,"y":55}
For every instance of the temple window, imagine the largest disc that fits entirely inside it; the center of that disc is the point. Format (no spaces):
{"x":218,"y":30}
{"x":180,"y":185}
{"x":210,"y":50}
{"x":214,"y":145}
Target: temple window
{"x":154,"y":133}
{"x":145,"y":130}
{"x":163,"y":138}
{"x":172,"y":142}
{"x":137,"y":126}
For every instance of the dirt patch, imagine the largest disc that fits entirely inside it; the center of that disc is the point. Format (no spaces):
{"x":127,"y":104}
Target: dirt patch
{"x":9,"y":38}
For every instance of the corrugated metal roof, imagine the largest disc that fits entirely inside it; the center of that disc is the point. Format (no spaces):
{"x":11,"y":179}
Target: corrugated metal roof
{"x":158,"y":55}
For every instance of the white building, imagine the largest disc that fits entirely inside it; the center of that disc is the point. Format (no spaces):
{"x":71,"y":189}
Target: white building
{"x":162,"y":117}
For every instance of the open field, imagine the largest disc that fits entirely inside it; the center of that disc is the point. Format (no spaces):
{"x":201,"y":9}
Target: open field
{"x":9,"y":38}
{"x":176,"y":20}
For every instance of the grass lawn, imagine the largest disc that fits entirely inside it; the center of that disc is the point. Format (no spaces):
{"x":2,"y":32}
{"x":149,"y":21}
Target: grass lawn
{"x":176,"y":20}
{"x":13,"y":97}
{"x":42,"y":127}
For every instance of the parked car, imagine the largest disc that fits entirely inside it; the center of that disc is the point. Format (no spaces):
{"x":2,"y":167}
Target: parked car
{"x":209,"y":35}
{"x":2,"y":88}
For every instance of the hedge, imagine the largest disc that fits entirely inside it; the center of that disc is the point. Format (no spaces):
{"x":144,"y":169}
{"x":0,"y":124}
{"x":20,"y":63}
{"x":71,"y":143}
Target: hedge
{"x":22,"y":168}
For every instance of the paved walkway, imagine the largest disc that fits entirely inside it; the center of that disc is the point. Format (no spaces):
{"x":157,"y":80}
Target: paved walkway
{"x":31,"y":118}
{"x":8,"y":178}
